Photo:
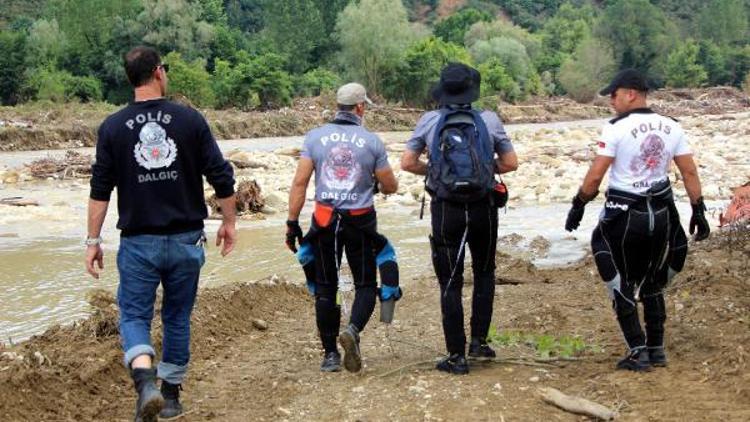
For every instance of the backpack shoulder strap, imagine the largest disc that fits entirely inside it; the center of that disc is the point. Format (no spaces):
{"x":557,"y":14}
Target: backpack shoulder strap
{"x":435,"y":147}
{"x":484,"y":133}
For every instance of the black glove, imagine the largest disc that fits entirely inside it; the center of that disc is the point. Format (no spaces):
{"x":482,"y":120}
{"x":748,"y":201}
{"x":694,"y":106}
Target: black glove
{"x":698,"y":220}
{"x":293,"y":234}
{"x":575,"y":214}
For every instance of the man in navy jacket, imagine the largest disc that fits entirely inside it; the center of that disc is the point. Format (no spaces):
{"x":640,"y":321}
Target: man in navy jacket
{"x":156,"y":152}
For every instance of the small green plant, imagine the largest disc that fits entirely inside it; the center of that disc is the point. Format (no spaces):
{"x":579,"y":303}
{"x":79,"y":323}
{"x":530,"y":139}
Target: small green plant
{"x":545,"y":345}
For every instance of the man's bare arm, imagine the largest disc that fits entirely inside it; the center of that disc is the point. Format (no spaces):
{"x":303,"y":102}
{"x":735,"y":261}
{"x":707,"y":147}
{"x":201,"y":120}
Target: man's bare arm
{"x":594,"y":177}
{"x":506,"y":163}
{"x":96,"y":213}
{"x":298,"y":190}
{"x":689,"y":173}
{"x":387,"y":180}
{"x":226,"y":236}
{"x":410,"y":162}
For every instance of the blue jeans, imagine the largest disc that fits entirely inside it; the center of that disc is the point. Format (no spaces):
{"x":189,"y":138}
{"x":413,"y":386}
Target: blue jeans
{"x":143,"y":262}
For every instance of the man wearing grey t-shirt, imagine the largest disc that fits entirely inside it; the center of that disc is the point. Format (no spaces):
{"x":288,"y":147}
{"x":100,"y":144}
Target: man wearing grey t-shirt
{"x":349,"y":162}
{"x":456,"y":224}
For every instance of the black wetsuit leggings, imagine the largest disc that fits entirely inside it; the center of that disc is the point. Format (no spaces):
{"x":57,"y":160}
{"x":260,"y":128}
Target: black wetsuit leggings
{"x":636,"y":255}
{"x":449,"y":220}
{"x":351,"y":238}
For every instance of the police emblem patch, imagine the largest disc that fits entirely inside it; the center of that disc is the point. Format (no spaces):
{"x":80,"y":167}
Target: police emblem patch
{"x":155,"y":150}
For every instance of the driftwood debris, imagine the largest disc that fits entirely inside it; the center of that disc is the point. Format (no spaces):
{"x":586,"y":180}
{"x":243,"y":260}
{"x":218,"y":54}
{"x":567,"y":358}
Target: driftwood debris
{"x":249,"y":198}
{"x":18,"y":201}
{"x":73,"y":164}
{"x":576,"y":405}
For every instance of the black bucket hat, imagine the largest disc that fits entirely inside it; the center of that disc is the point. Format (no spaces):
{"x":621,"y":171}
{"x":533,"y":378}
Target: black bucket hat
{"x":628,"y":78}
{"x":459,"y":84}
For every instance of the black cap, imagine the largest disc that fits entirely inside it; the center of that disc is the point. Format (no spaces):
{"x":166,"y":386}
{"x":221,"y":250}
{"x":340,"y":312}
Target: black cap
{"x":459,"y":84}
{"x":628,"y":78}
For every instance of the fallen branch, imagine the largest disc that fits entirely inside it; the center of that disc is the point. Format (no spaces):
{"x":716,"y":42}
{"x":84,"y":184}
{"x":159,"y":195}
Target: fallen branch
{"x":576,"y":405}
{"x":18,"y":201}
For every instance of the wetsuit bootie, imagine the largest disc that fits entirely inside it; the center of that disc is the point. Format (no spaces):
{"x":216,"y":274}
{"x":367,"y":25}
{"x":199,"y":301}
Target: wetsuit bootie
{"x":349,"y":340}
{"x":636,"y":360}
{"x":453,"y":364}
{"x":480,"y":350}
{"x":656,"y":356}
{"x":172,"y":406}
{"x":331,"y":362}
{"x":150,"y":401}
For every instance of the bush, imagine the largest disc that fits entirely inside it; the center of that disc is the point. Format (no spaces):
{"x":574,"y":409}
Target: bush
{"x":190,"y":79}
{"x":254,"y":81}
{"x":60,"y":86}
{"x":497,"y":81}
{"x":373,"y":35}
{"x":85,"y":88}
{"x":315,"y":81}
{"x":412,"y":80}
{"x":588,"y":70}
{"x":683,"y":69}
{"x":746,"y":84}
{"x":512,"y":55}
{"x":454,"y":27}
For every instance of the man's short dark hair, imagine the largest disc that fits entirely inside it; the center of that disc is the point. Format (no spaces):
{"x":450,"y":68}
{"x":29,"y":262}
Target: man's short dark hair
{"x":140,"y":63}
{"x":346,"y":107}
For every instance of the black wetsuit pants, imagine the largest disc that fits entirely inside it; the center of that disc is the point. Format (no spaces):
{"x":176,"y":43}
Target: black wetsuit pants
{"x":354,"y":236}
{"x":638,"y":247}
{"x":474,"y":225}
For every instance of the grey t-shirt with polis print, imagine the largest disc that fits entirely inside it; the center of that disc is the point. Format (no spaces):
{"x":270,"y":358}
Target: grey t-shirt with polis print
{"x":424,"y":133}
{"x":345,"y":156}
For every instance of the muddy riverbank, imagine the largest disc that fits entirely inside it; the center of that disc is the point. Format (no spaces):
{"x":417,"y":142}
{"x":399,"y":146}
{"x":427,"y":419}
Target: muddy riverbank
{"x":40,"y":126}
{"x":240,"y":372}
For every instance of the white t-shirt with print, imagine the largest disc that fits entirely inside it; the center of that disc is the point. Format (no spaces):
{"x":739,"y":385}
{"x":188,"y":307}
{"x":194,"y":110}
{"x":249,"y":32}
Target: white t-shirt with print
{"x":643,"y":144}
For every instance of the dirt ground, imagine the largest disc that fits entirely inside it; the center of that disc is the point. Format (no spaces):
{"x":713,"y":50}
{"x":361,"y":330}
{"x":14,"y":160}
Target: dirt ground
{"x":239,"y":372}
{"x":61,"y":126}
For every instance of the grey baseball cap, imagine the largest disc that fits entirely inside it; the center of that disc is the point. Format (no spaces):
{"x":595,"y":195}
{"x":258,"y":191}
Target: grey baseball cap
{"x":352,"y":94}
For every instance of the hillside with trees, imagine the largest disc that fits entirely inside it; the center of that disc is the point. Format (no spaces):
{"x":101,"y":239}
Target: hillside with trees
{"x":260,"y":54}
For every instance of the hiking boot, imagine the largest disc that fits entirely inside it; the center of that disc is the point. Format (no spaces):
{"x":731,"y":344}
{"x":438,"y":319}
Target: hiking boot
{"x":636,"y":360}
{"x":150,"y":401}
{"x":657,"y":357}
{"x":453,"y":364}
{"x":331,"y":362}
{"x":172,"y":407}
{"x":349,"y":340}
{"x":480,"y":350}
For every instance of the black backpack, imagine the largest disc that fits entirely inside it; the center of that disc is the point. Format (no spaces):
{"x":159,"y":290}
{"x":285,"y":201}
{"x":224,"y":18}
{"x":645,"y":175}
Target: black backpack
{"x":461,"y":163}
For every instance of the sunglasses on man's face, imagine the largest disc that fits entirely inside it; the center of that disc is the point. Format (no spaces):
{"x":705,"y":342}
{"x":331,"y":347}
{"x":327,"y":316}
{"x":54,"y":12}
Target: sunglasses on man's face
{"x":164,"y":66}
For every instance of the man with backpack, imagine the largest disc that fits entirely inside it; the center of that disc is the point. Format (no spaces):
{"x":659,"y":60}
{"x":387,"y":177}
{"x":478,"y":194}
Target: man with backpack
{"x":465,"y":147}
{"x":348,"y":162}
{"x":639,"y":244}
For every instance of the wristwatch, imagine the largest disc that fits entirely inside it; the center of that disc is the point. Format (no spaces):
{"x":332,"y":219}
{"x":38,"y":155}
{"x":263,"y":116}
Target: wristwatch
{"x":91,"y":241}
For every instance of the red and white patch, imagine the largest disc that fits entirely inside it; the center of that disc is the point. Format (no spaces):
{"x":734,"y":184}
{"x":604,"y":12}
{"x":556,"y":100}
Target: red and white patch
{"x":601,"y":144}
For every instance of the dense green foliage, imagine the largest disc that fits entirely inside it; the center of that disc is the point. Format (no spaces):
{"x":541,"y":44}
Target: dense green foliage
{"x":262,"y":53}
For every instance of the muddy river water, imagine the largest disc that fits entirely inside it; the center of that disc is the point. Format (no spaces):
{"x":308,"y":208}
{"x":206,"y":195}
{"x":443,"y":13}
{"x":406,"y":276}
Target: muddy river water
{"x":43,"y":280}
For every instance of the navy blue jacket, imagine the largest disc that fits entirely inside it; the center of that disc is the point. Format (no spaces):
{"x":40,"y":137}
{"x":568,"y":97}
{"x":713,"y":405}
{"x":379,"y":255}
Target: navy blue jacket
{"x":156,"y":153}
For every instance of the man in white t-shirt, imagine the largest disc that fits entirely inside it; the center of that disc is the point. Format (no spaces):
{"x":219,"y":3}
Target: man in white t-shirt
{"x":639,"y":243}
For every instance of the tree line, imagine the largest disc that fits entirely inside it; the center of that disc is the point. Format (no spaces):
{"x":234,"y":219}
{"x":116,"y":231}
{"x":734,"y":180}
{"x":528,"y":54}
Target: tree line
{"x":262,"y":53}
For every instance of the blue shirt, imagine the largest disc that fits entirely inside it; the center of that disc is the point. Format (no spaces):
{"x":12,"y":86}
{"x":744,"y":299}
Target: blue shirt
{"x":345,"y":156}
{"x":424,"y":133}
